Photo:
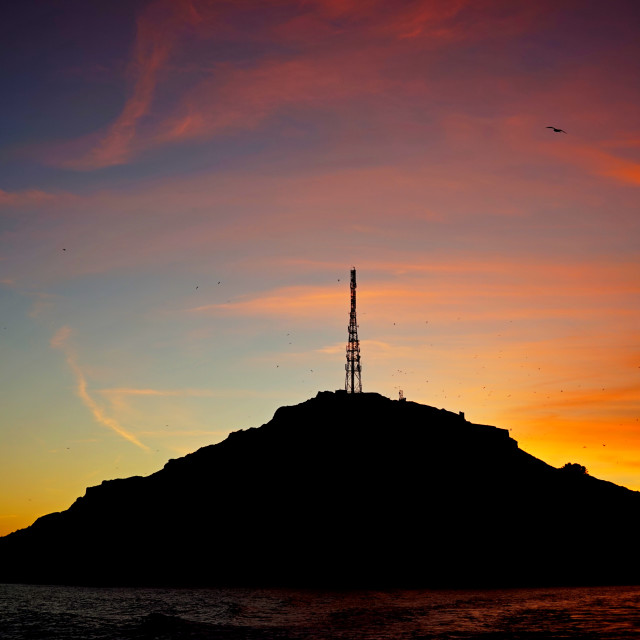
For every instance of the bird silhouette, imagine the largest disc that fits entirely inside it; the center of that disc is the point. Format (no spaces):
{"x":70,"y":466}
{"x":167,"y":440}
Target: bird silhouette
{"x":556,"y":130}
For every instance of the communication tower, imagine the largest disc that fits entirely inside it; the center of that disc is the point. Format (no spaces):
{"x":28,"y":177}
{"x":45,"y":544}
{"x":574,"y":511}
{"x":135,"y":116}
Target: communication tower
{"x":353,"y":382}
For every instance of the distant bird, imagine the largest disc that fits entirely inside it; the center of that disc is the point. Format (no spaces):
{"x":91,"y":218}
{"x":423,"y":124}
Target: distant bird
{"x":555,"y":130}
{"x":64,"y":249}
{"x":196,"y":287}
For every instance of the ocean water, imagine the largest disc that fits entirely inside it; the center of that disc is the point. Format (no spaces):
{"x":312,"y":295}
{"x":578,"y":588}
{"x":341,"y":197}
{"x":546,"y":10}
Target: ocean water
{"x":83,"y":613}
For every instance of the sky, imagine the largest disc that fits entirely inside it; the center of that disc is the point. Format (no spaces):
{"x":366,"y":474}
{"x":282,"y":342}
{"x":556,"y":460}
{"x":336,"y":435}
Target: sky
{"x":186,"y":184}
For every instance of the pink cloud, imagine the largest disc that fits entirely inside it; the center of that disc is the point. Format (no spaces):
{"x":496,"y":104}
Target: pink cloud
{"x":158,"y":29}
{"x":31,"y":197}
{"x":234,"y":98}
{"x":487,"y":290}
{"x":369,"y":19}
{"x":381,"y":205}
{"x":598,"y":162}
{"x":344,"y":52}
{"x":516,"y":136}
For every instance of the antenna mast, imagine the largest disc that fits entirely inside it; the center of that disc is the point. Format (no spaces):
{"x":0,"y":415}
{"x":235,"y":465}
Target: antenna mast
{"x":353,"y":383}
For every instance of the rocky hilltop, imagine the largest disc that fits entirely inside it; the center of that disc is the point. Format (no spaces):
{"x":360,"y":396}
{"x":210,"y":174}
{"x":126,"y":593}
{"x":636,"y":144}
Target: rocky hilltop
{"x":342,"y":490}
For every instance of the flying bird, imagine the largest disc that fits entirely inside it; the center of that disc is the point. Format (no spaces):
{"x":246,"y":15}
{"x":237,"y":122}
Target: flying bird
{"x":555,"y":130}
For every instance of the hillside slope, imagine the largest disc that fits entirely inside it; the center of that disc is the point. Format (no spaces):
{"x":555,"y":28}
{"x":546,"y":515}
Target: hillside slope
{"x":342,"y":490}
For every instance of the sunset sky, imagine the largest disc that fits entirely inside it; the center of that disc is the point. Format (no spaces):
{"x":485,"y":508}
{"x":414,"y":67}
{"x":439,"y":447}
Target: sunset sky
{"x":185,"y":185}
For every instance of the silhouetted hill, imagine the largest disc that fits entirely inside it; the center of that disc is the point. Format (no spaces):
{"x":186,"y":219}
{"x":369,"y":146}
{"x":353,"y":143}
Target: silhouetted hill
{"x":342,"y":490}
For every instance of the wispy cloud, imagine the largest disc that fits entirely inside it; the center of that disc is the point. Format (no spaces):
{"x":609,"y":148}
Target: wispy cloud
{"x":298,"y":301}
{"x":193,"y":393}
{"x":338,"y":53}
{"x":485,"y":289}
{"x":61,"y":341}
{"x":374,"y":347}
{"x":181,"y":433}
{"x":598,"y":162}
{"x":42,"y":303}
{"x":612,"y":399}
{"x":29,"y":197}
{"x":158,"y":28}
{"x":125,"y":391}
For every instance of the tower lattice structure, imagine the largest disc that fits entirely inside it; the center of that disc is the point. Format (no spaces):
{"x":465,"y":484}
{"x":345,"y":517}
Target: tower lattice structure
{"x":353,"y":381}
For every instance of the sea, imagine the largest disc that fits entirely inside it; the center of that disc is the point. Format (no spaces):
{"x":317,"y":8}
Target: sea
{"x":85,"y":613}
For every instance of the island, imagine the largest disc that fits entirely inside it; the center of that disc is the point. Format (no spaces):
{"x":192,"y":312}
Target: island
{"x":342,"y":490}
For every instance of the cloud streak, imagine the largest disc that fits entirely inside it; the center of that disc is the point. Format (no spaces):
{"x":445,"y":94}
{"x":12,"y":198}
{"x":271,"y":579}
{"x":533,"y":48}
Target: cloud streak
{"x":124,"y":391}
{"x":31,"y":197}
{"x":485,"y":289}
{"x":158,"y":29}
{"x":339,"y":54}
{"x":61,"y":341}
